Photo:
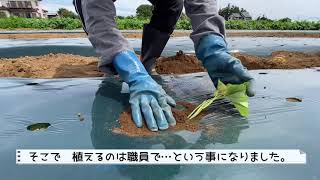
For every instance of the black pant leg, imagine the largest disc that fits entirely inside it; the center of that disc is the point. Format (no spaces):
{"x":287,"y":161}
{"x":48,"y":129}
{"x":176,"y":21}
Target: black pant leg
{"x":78,"y":7}
{"x":165,"y":14}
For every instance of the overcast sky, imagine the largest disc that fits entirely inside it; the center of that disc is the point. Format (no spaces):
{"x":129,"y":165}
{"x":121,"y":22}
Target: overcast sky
{"x":274,"y":9}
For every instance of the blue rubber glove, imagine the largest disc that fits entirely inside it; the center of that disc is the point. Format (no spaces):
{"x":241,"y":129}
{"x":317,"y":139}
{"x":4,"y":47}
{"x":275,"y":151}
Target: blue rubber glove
{"x":213,"y":52}
{"x":146,"y":95}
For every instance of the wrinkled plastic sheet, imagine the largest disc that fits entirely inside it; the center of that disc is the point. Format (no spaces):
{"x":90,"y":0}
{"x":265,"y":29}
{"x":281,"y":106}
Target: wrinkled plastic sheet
{"x":273,"y":123}
{"x":261,"y":46}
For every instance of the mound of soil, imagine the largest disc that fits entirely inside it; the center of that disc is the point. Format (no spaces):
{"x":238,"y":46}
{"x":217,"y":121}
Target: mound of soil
{"x":71,"y":66}
{"x":179,"y":64}
{"x":280,"y":60}
{"x":181,"y":112}
{"x":50,"y":66}
{"x":286,"y":34}
{"x":43,"y":35}
{"x":182,"y":63}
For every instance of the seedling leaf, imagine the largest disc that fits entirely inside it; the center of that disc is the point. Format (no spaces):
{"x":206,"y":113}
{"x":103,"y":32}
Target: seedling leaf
{"x":236,"y":93}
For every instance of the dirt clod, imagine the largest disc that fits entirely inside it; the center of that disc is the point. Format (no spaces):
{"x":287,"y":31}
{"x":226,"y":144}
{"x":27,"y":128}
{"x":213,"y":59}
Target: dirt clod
{"x":181,"y":112}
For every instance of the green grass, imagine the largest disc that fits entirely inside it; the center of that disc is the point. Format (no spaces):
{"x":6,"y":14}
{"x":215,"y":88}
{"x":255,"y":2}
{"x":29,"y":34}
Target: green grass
{"x":131,"y":23}
{"x":273,"y":25}
{"x":135,"y":23}
{"x":35,"y":23}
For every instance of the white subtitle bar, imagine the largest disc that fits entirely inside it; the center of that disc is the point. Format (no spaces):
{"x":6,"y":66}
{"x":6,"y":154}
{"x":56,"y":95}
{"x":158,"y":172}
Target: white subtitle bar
{"x":152,"y":156}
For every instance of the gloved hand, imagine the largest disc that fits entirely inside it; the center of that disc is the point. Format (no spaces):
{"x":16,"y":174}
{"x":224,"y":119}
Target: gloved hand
{"x":213,"y":52}
{"x":146,"y":95}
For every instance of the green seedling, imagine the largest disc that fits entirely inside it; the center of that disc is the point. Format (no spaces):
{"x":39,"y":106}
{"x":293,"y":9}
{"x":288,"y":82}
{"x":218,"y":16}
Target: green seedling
{"x":236,"y":93}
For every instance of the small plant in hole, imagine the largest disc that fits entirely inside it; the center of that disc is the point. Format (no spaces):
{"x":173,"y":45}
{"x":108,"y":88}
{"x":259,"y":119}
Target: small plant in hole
{"x":236,"y":93}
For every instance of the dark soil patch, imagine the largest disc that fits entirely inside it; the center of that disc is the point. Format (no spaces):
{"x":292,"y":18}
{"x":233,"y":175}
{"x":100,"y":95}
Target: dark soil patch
{"x":180,"y":112}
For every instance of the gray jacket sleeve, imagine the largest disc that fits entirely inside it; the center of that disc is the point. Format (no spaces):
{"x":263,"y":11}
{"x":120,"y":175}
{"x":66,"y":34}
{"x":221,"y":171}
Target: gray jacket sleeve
{"x":99,"y":19}
{"x":205,"y":18}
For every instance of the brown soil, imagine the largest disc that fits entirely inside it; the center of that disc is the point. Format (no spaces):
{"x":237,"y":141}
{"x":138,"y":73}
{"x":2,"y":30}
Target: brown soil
{"x":280,"y":60}
{"x":139,"y":34}
{"x":294,"y":99}
{"x":182,"y":63}
{"x":175,"y":34}
{"x":42,"y":36}
{"x":239,"y":34}
{"x":127,"y":126}
{"x":274,"y":34}
{"x":71,"y":66}
{"x":50,"y":66}
{"x":179,"y":64}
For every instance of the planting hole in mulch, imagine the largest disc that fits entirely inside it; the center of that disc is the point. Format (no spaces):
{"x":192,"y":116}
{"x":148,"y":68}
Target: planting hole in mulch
{"x":293,"y":99}
{"x":38,"y":126}
{"x":32,"y":84}
{"x":263,"y":73}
